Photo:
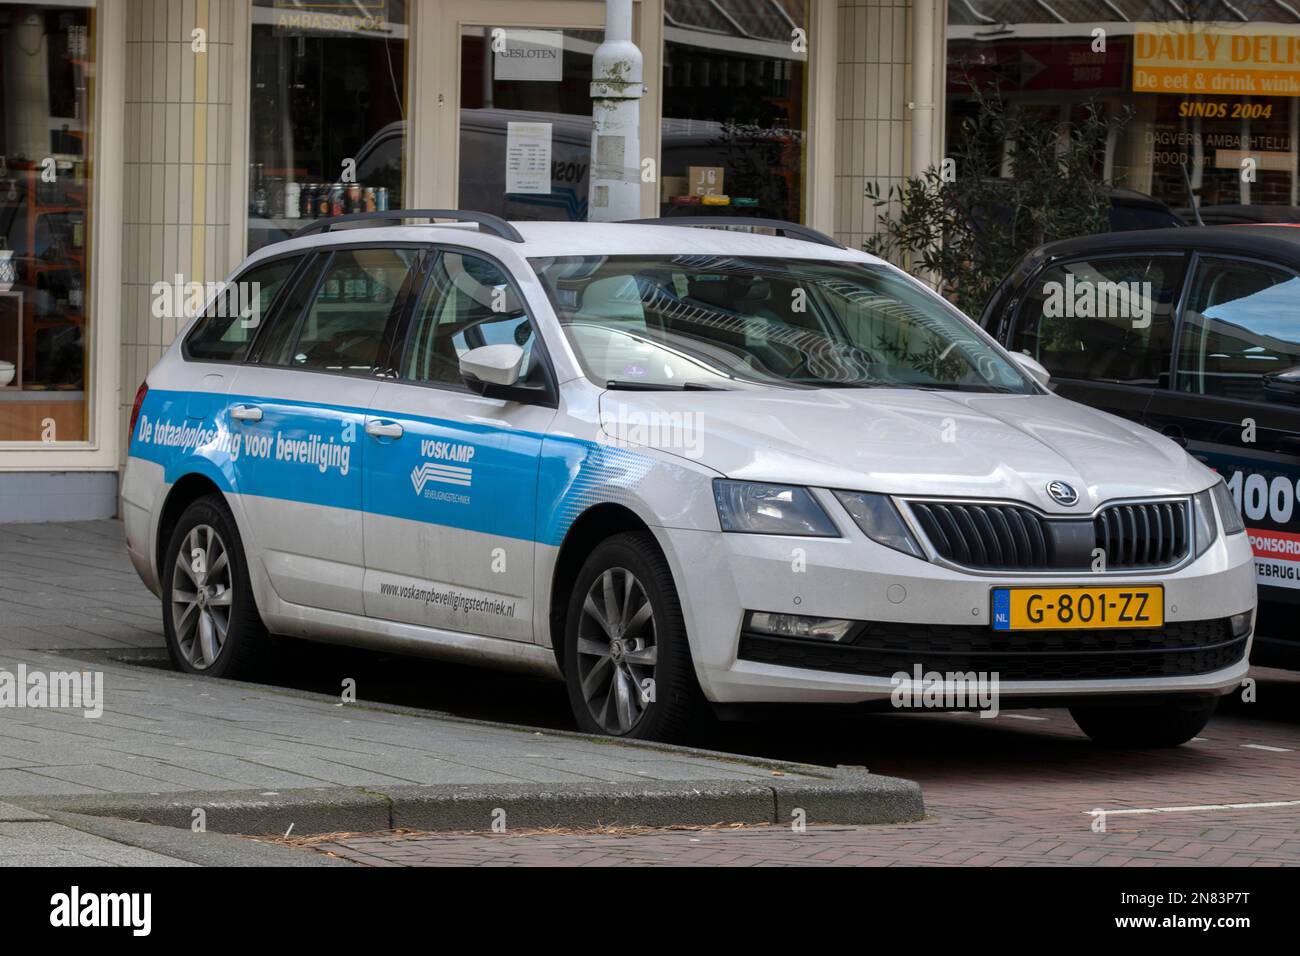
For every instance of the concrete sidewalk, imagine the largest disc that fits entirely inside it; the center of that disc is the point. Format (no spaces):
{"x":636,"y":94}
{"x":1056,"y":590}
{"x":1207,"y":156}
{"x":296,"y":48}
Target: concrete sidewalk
{"x":259,"y":759}
{"x":72,"y":586}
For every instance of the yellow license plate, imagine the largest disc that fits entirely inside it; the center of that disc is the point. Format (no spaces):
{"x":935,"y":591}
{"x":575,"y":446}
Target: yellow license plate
{"x":1056,"y":609}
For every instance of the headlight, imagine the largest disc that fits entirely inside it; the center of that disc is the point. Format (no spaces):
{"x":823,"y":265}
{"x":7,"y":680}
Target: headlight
{"x":880,"y":521}
{"x":1203,"y":527}
{"x":1229,"y":516}
{"x":752,"y":508}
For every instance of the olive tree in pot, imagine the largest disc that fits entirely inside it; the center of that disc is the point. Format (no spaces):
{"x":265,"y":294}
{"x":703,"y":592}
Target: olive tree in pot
{"x":1013,"y":180}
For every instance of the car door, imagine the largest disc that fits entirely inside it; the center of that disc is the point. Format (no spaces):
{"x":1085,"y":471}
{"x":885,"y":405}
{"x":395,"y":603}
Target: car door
{"x":451,"y":476}
{"x":1238,"y":331}
{"x":1103,"y":326}
{"x":299,"y":413}
{"x":222,"y":337}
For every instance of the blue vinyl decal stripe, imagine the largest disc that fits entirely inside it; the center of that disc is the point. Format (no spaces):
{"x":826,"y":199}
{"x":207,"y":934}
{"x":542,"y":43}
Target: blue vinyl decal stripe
{"x":471,"y":476}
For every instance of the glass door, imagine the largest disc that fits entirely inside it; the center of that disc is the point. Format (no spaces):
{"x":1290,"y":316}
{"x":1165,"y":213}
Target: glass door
{"x":525,"y":121}
{"x":518,"y":73}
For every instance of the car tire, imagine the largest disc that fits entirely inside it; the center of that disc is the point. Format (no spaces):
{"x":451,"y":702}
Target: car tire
{"x":209,"y":615}
{"x":629,"y":670}
{"x":1155,"y":725}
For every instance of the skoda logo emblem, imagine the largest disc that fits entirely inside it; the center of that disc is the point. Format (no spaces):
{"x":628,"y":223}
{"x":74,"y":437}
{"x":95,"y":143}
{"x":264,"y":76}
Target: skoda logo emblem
{"x":1062,"y":493}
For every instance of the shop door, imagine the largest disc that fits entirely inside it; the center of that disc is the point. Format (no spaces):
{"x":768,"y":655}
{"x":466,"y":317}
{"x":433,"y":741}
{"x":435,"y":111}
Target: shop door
{"x":522,"y":108}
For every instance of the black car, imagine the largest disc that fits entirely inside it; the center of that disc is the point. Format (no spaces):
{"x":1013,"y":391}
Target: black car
{"x":1194,"y":332}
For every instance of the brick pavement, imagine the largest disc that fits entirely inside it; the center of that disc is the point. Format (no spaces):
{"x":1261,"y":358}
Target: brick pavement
{"x":1006,"y":792}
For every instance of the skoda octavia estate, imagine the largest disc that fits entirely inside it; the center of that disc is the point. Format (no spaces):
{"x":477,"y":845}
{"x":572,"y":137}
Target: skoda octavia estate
{"x":688,"y":470}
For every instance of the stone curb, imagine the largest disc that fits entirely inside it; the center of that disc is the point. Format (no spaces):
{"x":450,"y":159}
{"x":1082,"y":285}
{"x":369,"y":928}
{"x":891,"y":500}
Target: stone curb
{"x":843,"y":797}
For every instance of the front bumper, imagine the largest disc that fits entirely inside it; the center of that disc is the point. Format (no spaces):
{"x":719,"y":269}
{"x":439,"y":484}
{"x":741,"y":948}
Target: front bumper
{"x":721,"y":576}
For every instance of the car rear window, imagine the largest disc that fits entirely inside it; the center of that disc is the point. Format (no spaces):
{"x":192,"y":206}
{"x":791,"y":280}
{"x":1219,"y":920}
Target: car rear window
{"x":236,"y":312}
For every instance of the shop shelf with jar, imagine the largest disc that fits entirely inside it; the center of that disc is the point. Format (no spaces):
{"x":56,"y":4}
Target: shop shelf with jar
{"x":45,"y":228}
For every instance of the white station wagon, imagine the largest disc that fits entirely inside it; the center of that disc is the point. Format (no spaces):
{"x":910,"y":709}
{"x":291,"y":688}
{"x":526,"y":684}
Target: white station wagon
{"x":686,"y":469}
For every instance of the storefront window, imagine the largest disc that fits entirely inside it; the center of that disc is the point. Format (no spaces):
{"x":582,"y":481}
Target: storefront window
{"x":734,"y":132}
{"x":327,"y":132}
{"x":1212,"y":96}
{"x":46,"y":86}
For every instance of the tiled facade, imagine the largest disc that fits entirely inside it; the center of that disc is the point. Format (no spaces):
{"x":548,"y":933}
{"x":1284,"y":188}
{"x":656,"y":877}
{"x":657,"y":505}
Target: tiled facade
{"x":872,"y":120}
{"x":179,"y":164}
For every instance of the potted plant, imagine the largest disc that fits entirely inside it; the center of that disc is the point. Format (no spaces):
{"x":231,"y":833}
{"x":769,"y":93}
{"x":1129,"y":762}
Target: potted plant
{"x":1013,"y":180}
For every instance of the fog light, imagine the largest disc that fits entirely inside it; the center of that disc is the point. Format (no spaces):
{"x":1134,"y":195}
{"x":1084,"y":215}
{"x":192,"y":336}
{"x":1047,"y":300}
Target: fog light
{"x":1240,"y":624}
{"x":796,"y":625}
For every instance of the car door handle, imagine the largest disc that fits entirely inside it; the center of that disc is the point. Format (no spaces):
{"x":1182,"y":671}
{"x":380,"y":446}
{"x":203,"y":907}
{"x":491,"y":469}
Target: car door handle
{"x":246,"y":413}
{"x":384,"y":429}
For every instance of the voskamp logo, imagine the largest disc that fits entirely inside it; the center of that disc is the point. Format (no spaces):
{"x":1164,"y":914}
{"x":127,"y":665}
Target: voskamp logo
{"x":440,"y":470}
{"x":74,"y":909}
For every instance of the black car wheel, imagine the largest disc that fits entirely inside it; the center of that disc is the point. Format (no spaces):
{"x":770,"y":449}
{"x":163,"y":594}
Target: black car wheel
{"x":209,"y":616}
{"x":627,"y":663}
{"x":1155,"y":725}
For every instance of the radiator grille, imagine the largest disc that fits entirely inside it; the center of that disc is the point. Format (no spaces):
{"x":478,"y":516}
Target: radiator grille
{"x":1003,"y":537}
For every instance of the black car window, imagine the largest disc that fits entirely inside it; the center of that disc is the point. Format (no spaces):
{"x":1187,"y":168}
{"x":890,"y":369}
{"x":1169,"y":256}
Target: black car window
{"x":343,"y":330}
{"x":466,"y":303}
{"x":272,"y":347}
{"x":1242,"y":321}
{"x":236,"y":312}
{"x":1102,"y":319}
{"x":1126,"y":218}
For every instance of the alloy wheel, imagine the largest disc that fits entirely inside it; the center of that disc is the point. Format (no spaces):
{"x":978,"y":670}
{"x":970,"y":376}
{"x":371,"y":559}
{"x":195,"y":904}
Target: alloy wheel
{"x":202,"y":593}
{"x":616,"y":650}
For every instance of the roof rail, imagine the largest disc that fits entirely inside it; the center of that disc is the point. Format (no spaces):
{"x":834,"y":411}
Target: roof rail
{"x":486,"y":221}
{"x":791,"y":229}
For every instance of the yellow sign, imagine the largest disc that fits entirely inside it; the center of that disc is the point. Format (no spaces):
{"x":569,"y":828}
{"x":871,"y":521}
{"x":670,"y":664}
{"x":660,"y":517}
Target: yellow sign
{"x":1220,"y":64}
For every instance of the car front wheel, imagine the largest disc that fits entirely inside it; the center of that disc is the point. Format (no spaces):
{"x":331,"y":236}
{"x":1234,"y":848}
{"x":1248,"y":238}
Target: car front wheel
{"x":1154,"y":725}
{"x":209,"y":615}
{"x":627,"y":663}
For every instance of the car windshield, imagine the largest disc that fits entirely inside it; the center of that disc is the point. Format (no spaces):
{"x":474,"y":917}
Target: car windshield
{"x":727,"y":322}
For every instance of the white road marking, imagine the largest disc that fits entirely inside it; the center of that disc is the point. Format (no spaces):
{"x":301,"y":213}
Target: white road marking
{"x":1025,"y":717}
{"x":1274,"y":750}
{"x":1209,"y":806}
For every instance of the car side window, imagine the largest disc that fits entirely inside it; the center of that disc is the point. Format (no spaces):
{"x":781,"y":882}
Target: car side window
{"x":1242,"y":321}
{"x":232,"y":319}
{"x":1102,"y":319}
{"x":467,"y":302}
{"x":358,"y":296}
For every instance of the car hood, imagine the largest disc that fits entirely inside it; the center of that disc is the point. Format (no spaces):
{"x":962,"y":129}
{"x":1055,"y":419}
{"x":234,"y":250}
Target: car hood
{"x":905,"y":441}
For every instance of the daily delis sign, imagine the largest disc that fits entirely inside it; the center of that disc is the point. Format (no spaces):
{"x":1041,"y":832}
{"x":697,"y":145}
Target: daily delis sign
{"x":1189,"y":60}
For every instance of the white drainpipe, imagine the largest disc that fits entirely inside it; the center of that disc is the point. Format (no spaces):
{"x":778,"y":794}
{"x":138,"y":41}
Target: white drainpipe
{"x":923,"y":43}
{"x":616,"y":78}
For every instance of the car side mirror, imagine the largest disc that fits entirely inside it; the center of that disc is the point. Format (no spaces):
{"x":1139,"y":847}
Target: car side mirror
{"x":1035,"y":368}
{"x":492,"y":364}
{"x":493,"y":372}
{"x":1283,"y":386}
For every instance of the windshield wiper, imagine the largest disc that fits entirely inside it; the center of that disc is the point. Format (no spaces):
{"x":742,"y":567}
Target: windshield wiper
{"x":626,"y":386}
